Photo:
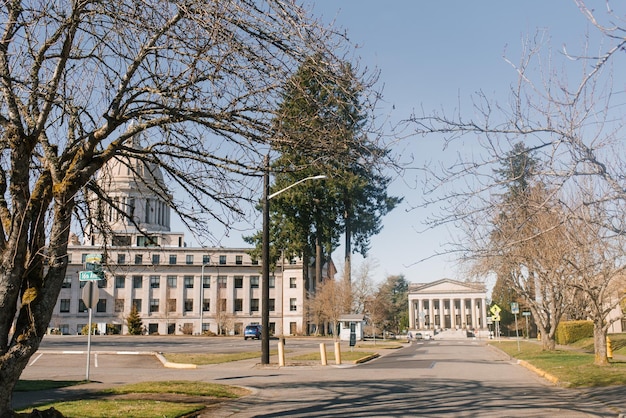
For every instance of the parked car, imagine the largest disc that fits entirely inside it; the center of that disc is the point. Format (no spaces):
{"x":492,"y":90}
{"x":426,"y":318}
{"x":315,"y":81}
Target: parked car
{"x":252,"y":331}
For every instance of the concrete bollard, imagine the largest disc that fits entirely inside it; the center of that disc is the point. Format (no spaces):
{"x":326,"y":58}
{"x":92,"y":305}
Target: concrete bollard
{"x":281,"y":352}
{"x":337,"y":353}
{"x":323,"y":354}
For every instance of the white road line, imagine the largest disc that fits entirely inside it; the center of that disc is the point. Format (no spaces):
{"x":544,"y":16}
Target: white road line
{"x":95,"y":360}
{"x":35,"y":359}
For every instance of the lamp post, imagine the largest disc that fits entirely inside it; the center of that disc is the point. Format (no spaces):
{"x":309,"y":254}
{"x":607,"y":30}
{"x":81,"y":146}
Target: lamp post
{"x":265,"y":291}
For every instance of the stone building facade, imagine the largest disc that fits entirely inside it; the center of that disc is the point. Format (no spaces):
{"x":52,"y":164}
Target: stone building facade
{"x":447,"y":304}
{"x":176,"y":289}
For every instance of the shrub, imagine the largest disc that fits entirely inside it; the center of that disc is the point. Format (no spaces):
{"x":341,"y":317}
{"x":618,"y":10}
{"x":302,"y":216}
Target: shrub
{"x":571,"y":331}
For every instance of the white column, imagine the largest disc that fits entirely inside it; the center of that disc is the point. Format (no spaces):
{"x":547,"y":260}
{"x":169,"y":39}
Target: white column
{"x":475,"y":313}
{"x":462,"y":313}
{"x":411,"y":313}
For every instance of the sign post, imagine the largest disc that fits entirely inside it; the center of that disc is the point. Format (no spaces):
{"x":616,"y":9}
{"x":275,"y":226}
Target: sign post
{"x":93,"y":272}
{"x":515,"y":311}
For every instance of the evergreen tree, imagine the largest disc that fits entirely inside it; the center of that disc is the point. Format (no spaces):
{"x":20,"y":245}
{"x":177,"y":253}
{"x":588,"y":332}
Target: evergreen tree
{"x":134,"y":323}
{"x":325,"y":119}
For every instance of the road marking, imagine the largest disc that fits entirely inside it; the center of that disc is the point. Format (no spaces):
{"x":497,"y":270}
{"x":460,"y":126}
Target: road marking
{"x":35,"y":359}
{"x":95,"y":360}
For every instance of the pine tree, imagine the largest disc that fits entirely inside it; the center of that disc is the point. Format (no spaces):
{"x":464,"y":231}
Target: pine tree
{"x":134,"y":323}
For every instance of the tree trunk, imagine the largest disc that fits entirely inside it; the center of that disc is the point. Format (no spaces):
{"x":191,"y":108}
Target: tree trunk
{"x":599,"y":342}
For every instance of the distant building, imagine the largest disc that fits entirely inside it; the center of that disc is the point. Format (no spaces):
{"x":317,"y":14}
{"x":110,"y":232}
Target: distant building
{"x":176,"y":289}
{"x":447,"y":304}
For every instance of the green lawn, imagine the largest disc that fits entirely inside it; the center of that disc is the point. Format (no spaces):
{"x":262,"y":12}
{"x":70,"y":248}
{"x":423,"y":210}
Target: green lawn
{"x":571,"y":368}
{"x":146,"y":400}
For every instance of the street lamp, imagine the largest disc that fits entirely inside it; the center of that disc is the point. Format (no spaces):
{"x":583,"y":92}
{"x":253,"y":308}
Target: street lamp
{"x":265,"y":291}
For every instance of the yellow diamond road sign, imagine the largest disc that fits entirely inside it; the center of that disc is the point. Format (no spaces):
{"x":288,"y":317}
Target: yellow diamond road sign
{"x":495,"y":310}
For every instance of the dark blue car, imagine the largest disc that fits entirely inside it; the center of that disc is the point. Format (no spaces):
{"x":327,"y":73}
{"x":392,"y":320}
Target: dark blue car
{"x":252,"y":331}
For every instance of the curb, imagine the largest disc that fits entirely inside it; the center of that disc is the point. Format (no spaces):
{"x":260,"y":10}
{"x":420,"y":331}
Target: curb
{"x":538,"y":371}
{"x":171,"y":365}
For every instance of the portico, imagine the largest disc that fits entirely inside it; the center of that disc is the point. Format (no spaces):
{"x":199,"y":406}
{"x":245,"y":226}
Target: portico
{"x":447,"y":304}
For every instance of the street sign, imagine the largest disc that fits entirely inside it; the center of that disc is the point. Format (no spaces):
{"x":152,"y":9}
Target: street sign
{"x":495,"y":310}
{"x":514,"y":307}
{"x":90,"y":295}
{"x":526,"y":313}
{"x":93,"y":258}
{"x":85,"y":276}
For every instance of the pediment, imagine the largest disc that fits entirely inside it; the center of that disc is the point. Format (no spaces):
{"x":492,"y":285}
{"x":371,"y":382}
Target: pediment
{"x":447,"y":286}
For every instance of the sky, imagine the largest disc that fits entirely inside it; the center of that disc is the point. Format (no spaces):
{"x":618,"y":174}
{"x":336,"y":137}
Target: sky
{"x":432,"y":55}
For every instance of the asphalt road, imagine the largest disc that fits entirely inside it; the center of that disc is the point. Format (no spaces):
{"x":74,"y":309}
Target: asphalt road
{"x":442,"y":378}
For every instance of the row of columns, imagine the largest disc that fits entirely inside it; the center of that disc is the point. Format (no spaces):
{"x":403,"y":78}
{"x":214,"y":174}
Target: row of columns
{"x":434,"y":313}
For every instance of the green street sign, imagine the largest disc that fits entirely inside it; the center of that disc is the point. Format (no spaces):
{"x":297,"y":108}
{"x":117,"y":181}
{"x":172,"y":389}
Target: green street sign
{"x":85,"y":276}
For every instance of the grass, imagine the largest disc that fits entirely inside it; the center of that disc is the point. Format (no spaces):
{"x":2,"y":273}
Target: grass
{"x":179,"y":387}
{"x":135,"y":400}
{"x":122,"y":408}
{"x":572,"y":368}
{"x":212,"y":358}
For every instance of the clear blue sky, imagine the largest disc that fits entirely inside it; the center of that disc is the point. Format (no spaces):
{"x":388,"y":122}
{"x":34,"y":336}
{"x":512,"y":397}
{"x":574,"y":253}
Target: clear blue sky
{"x":431,"y":54}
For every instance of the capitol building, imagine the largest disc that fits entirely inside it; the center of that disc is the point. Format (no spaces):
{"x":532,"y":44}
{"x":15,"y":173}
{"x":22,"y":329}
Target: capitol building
{"x":175,"y":289}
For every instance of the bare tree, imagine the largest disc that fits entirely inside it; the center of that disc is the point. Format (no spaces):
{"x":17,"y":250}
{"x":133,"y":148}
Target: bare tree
{"x":597,"y":257}
{"x":567,"y":113}
{"x":195,"y":82}
{"x":329,"y":302}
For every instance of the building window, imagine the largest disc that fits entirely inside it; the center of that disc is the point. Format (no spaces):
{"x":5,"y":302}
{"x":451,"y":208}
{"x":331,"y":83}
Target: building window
{"x":272,"y":305}
{"x":221,"y":282}
{"x":222,"y":259}
{"x":238,"y":305}
{"x":172,"y":282}
{"x":188,"y":305}
{"x":138,"y":259}
{"x":206,"y":259}
{"x":155,"y":282}
{"x":239,"y":259}
{"x":67,"y":282}
{"x":292,"y":283}
{"x":172,"y":258}
{"x":254,"y":282}
{"x":255,"y":261}
{"x":101,"y":306}
{"x":206,"y":305}
{"x":137,"y":282}
{"x":188,"y":282}
{"x":137,"y":304}
{"x":254,"y":305}
{"x":101,"y":284}
{"x":64,"y":305}
{"x":189,"y":259}
{"x":121,"y":258}
{"x":81,"y":306}
{"x":292,"y":305}
{"x":222,"y":305}
{"x":120,"y":282}
{"x":206,"y":282}
{"x":119,"y":305}
{"x":154,"y":305}
{"x":292,"y":261}
{"x":272,"y":283}
{"x":171,"y":305}
{"x":238,"y":282}
{"x":156,"y":259}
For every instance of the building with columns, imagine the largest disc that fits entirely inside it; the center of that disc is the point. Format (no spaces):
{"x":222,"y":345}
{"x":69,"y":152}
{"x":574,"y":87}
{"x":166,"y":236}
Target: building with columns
{"x":447,"y":304}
